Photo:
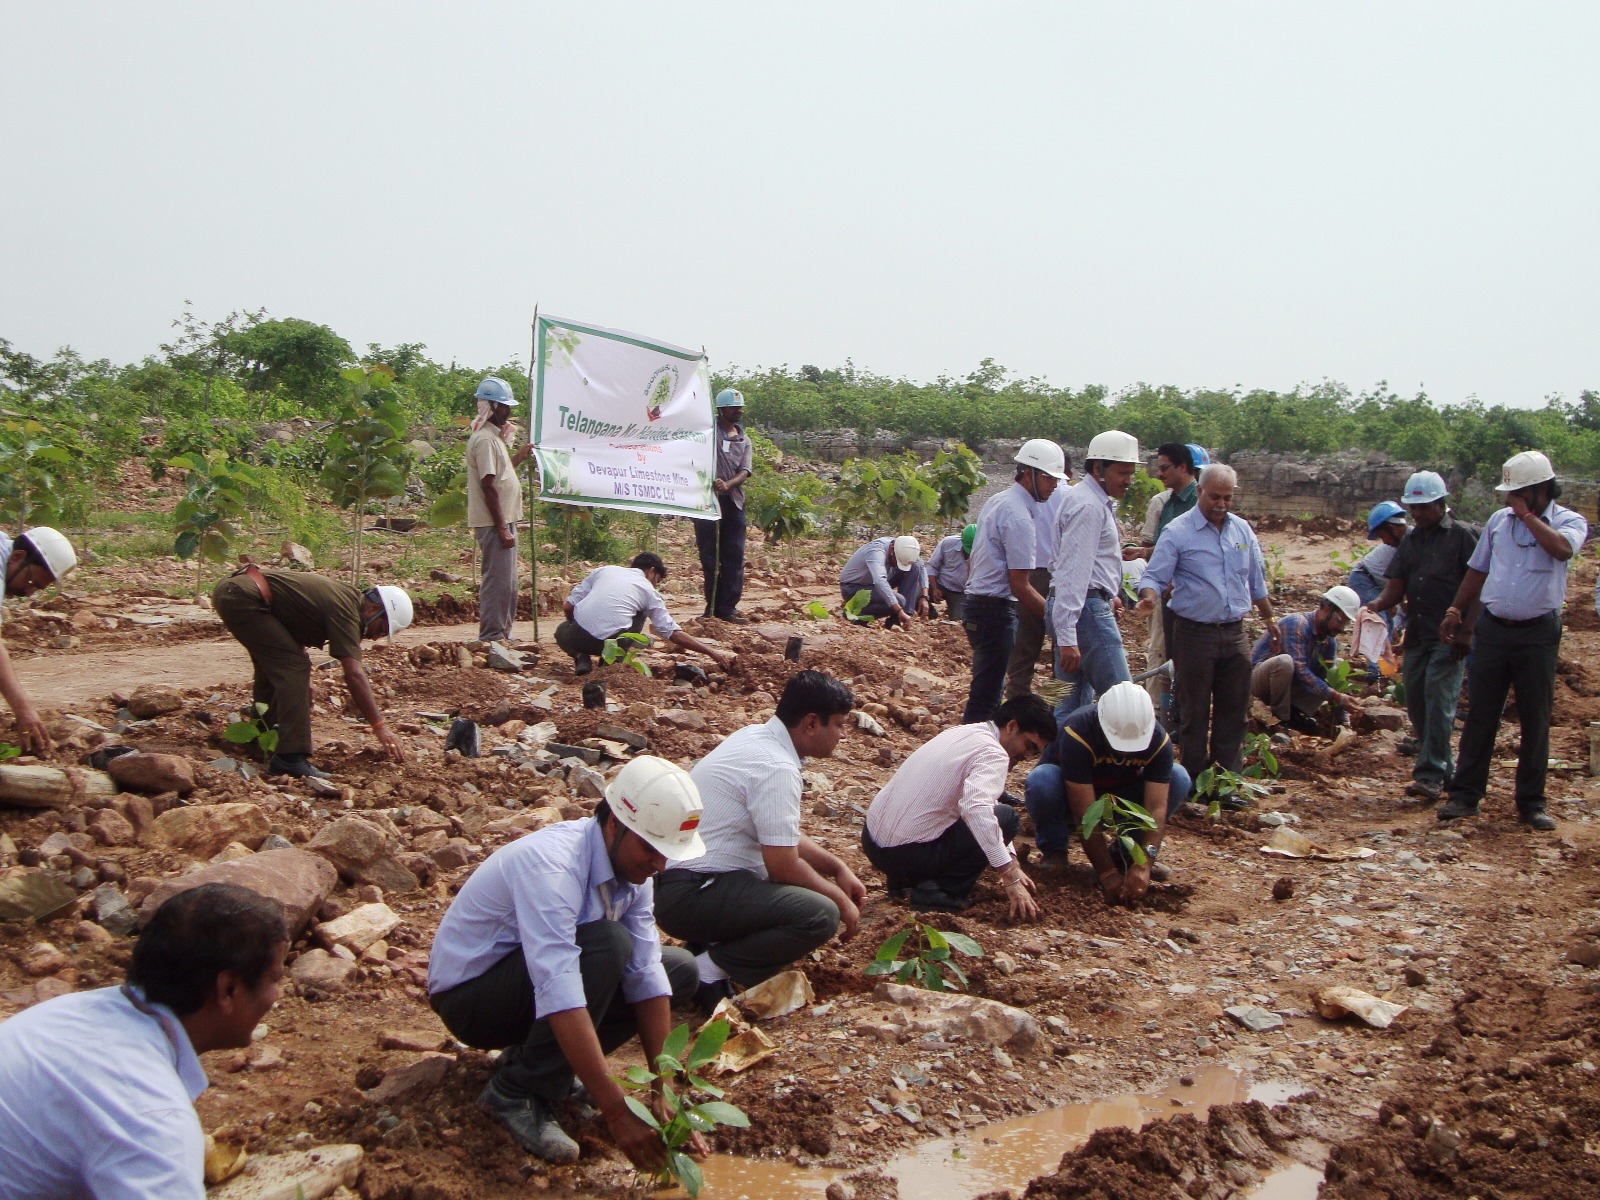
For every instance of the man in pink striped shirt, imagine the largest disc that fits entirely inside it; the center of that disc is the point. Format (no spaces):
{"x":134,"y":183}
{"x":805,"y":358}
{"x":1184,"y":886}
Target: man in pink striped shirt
{"x":938,"y":823}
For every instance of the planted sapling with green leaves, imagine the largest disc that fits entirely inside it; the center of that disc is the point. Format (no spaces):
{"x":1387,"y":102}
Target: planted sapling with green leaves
{"x":927,"y":958}
{"x":253,"y":731}
{"x":624,"y":649}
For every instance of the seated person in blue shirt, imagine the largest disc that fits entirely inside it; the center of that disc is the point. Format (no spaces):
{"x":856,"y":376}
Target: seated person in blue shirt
{"x":97,"y":1088}
{"x":1294,"y":684}
{"x":550,"y":954}
{"x":891,"y":569}
{"x":1114,"y":745}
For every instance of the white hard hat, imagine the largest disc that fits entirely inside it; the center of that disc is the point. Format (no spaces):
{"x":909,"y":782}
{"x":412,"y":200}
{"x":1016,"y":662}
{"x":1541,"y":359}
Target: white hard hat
{"x":396,"y":606}
{"x":58,"y":554}
{"x":1044,"y":455}
{"x":1127,"y":717}
{"x":658,"y":801}
{"x":907,"y":550}
{"x":1114,"y":446}
{"x":1424,"y":487}
{"x":1524,"y":470}
{"x":495,"y":390}
{"x":1344,"y":599}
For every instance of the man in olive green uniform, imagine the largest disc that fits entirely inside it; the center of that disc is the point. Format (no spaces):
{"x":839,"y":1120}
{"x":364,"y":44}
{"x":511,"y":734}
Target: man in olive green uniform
{"x":275,"y":615}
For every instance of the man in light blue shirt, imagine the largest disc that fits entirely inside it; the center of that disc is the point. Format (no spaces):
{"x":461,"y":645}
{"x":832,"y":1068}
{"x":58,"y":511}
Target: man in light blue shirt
{"x":890,"y":568}
{"x":1516,"y":582}
{"x":1030,"y":629}
{"x":550,"y":953}
{"x":97,"y":1088}
{"x":1086,"y":575}
{"x":947,"y":571}
{"x":1213,"y":563}
{"x":1000,"y":574}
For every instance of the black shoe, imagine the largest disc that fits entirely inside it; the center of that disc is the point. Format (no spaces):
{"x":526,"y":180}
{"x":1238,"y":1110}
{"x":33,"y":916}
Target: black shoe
{"x":532,"y":1124}
{"x":733,"y":618}
{"x":1425,"y":790}
{"x":1453,"y":809}
{"x":582,"y":664}
{"x":296,"y":766}
{"x":1302,"y":722}
{"x":897,"y":888}
{"x":925,"y":897}
{"x":1537,"y":818}
{"x":709,"y":995}
{"x":1233,"y":802}
{"x":1054,"y":860}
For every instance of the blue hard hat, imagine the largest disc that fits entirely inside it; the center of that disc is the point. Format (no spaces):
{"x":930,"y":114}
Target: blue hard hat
{"x":1381,"y":515}
{"x":1424,"y":488}
{"x":495,"y":390}
{"x":730,"y":398}
{"x":1199,"y":455}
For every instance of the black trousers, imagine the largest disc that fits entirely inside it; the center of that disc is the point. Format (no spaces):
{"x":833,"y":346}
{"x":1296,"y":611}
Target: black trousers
{"x":751,"y":927}
{"x":1211,"y":677}
{"x":1506,"y":658}
{"x":721,"y":545}
{"x":576,"y":640}
{"x":495,"y":1010}
{"x":951,"y":862}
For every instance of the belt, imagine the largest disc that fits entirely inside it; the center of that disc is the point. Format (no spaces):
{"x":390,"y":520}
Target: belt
{"x":1209,"y":624}
{"x":1102,"y":594}
{"x":976,"y":596}
{"x":1530,"y":622}
{"x":253,"y":573}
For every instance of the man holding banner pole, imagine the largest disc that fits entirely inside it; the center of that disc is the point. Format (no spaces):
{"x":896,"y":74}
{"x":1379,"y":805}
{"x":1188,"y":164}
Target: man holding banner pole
{"x":721,"y":542}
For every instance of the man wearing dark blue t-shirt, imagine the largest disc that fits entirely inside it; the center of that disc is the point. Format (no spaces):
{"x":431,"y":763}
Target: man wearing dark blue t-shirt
{"x":1114,"y":746}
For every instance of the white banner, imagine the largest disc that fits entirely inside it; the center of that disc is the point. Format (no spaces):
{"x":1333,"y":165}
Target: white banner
{"x":621,"y":421}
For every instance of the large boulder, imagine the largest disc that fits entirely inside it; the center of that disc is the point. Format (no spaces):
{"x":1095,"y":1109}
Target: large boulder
{"x":363,"y":852}
{"x":204,"y":829}
{"x":321,"y":971}
{"x":153,"y":773}
{"x":298,"y":1175}
{"x":952,"y":1015}
{"x":297,"y":880}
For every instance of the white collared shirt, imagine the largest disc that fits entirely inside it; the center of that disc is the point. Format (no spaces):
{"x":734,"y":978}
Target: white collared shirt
{"x":605,"y":603}
{"x":97,"y":1100}
{"x":750,"y":786}
{"x":533,"y":895}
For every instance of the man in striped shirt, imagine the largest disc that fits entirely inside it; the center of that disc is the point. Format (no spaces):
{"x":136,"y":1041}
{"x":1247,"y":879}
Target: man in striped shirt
{"x":763,"y":894}
{"x":938,"y":823}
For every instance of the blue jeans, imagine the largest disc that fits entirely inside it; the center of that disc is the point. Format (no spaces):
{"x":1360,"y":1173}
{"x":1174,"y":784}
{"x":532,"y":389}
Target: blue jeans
{"x":1046,"y":797}
{"x":1433,"y":690}
{"x":1104,"y":662}
{"x":991,"y":625}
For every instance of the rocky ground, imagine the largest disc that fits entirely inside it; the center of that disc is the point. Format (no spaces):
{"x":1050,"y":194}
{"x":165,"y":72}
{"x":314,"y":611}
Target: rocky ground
{"x":1488,"y":935}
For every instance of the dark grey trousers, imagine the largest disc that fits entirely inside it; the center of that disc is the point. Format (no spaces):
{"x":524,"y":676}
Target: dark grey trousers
{"x":495,"y":1010}
{"x":1505,"y":658}
{"x":752,"y":928}
{"x":1211,"y":669}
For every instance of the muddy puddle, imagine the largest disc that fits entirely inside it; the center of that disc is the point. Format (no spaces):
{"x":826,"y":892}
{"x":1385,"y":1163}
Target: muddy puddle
{"x":1007,"y":1154}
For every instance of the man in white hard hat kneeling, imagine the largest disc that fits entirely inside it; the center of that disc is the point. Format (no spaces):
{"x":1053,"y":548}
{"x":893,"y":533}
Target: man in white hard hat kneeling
{"x":1293,"y":683}
{"x":35,"y":559}
{"x":1113,"y":747}
{"x":891,"y":569}
{"x":494,"y":505}
{"x":550,"y":954}
{"x":1512,"y":595}
{"x":275,"y":616}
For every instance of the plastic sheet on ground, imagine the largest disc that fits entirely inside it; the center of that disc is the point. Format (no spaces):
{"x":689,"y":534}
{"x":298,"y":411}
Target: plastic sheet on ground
{"x":1286,"y":843}
{"x":784,"y":993}
{"x":1333,"y":1002}
{"x":746,"y":1045}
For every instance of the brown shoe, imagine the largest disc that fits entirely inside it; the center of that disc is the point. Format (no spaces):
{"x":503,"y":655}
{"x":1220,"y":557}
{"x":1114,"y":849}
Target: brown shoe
{"x":1425,"y":790}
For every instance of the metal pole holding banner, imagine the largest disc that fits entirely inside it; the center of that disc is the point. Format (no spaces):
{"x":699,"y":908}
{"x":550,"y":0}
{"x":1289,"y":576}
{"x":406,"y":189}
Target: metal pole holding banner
{"x":533,"y":460}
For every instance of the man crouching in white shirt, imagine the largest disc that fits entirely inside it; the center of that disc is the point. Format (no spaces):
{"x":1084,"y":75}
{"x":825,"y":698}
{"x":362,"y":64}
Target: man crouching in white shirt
{"x":613,"y":600}
{"x":550,"y":953}
{"x":764,"y":895}
{"x":97,"y":1088}
{"x":939,"y":822}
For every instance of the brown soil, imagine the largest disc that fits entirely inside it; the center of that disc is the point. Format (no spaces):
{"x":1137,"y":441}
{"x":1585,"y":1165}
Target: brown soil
{"x":1469,"y":927}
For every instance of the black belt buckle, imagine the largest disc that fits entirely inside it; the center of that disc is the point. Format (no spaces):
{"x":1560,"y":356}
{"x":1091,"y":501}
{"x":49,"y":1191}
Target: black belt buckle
{"x":1101,"y":593}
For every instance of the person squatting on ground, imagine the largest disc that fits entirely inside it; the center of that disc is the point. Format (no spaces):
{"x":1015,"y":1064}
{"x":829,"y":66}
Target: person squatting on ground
{"x":891,"y":569}
{"x":1005,"y":551}
{"x":494,"y":505}
{"x":1113,"y":746}
{"x":764,"y":894}
{"x":1426,"y":572}
{"x":1212,"y":562}
{"x":97,"y":1088}
{"x":1177,"y":466}
{"x":1293,"y":683}
{"x":721,"y":541}
{"x":1512,"y":594}
{"x":947,"y":571}
{"x":34,"y":559}
{"x":613,"y":600}
{"x":940,"y":820}
{"x":275,"y":616}
{"x":549,"y":953}
{"x":1086,"y":576}
{"x":1031,"y":630}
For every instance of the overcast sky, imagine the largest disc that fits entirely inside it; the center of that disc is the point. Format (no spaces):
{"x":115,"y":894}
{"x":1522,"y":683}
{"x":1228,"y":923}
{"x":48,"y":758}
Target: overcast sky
{"x":1201,"y":194}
